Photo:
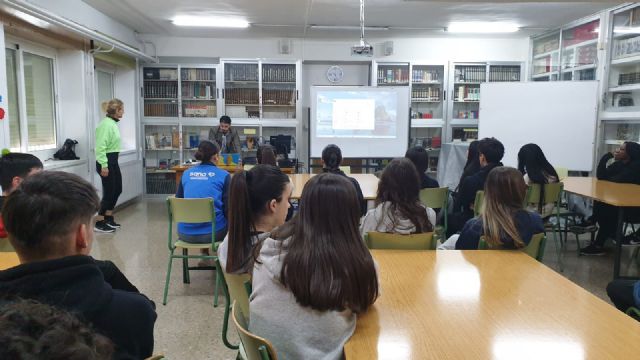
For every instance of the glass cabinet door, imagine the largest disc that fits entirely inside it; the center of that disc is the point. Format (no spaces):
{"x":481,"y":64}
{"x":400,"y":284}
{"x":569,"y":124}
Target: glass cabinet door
{"x":616,"y":133}
{"x":241,"y":90}
{"x":427,"y":103}
{"x":392,"y":74}
{"x":466,"y":90}
{"x":279,"y":92}
{"x":546,"y":53}
{"x":198,"y":86}
{"x":624,"y":73}
{"x":160,"y":92}
{"x":580,"y":51}
{"x":161,"y":154}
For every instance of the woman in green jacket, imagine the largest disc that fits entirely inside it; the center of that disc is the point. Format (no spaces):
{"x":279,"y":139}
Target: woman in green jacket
{"x":107,"y":150}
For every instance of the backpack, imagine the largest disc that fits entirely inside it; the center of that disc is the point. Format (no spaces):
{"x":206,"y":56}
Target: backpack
{"x":67,"y":151}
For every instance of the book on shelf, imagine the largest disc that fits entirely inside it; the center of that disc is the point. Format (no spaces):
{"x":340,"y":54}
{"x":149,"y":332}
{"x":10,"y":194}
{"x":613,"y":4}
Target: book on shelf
{"x":388,"y":75}
{"x":467,"y":93}
{"x":241,"y":72}
{"x":470,"y":73}
{"x":421,"y":75}
{"x":504,"y":73}
{"x":160,"y":89}
{"x":241,"y":96}
{"x":161,"y":109}
{"x":198,"y":74}
{"x":198,"y":110}
{"x":279,"y":73}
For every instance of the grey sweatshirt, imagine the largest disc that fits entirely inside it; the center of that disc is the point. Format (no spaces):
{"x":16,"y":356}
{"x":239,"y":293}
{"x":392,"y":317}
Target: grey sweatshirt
{"x":296,"y":332}
{"x":224,"y":248}
{"x":380,"y":219}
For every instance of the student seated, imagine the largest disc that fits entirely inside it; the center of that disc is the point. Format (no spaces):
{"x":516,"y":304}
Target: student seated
{"x":420,"y":158}
{"x":504,"y":222}
{"x":490,"y":153}
{"x":14,"y":167}
{"x":398,"y":207}
{"x":49,"y":218}
{"x":331,"y":159}
{"x":205,"y":181}
{"x":536,"y":169}
{"x":472,"y":165}
{"x":31,"y":330}
{"x":624,"y":293}
{"x":625,"y":169}
{"x":320,"y":246}
{"x":266,"y":154}
{"x":258,"y":203}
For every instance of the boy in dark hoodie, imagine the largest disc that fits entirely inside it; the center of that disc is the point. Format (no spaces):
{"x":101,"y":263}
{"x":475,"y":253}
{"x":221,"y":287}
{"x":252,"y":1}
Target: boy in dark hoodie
{"x":491,"y":152}
{"x":49,"y":219}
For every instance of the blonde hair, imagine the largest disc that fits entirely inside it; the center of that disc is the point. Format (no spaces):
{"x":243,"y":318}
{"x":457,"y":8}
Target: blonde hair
{"x":112,"y":106}
{"x":504,"y":193}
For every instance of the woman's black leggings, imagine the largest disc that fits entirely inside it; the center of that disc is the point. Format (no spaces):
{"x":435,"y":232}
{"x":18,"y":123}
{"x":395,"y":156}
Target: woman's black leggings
{"x":607,"y":218}
{"x":111,"y":185}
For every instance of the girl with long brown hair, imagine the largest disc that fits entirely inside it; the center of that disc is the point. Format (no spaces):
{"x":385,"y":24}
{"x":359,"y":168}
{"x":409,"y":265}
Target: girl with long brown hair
{"x":398,"y":208}
{"x":314,"y":274}
{"x":504,"y":222}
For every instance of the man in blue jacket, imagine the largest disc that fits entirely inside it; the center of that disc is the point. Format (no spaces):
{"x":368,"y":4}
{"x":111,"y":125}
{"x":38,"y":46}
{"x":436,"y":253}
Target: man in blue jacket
{"x":49,"y":218}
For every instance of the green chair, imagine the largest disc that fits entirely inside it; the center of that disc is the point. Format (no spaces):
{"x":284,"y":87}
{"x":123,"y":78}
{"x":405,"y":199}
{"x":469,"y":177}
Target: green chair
{"x":562,"y":172}
{"x":234,"y":290}
{"x":5,"y":245}
{"x":477,"y":204}
{"x":535,"y":248}
{"x":390,"y":241}
{"x":346,"y":169}
{"x":437,"y":198}
{"x":634,"y":312}
{"x":255,"y":347}
{"x":190,"y":211}
{"x":552,"y":194}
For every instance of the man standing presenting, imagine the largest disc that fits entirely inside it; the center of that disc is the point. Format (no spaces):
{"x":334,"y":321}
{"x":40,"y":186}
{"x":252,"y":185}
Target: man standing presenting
{"x":226,"y":137}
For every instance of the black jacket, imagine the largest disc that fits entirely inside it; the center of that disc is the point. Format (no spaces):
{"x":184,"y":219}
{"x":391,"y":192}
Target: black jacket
{"x":428,"y":182}
{"x":618,"y":171}
{"x":363,"y":203}
{"x":468,"y":189}
{"x":77,"y":284}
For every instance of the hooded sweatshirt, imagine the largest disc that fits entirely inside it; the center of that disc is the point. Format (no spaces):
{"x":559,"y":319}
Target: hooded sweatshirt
{"x":382,"y":219}
{"x":76,"y":284}
{"x":296,"y":332}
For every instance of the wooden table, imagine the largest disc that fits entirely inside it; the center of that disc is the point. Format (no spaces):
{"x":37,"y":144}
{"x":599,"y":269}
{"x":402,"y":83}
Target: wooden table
{"x":485,"y":305}
{"x":8,"y":259}
{"x":616,"y":194}
{"x":180,"y":169}
{"x":368,"y":184}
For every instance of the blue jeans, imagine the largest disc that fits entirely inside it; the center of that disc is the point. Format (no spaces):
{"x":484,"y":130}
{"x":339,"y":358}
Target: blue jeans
{"x":203,"y":238}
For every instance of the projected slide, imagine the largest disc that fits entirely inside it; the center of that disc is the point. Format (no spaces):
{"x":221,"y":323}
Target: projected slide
{"x":357,"y":114}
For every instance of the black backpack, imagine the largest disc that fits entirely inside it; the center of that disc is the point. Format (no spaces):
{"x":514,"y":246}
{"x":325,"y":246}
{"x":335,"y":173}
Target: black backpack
{"x":67,"y":151}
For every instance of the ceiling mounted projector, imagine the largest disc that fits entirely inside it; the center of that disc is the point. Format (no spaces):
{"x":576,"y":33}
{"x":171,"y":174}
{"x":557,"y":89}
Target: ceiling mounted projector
{"x":364,"y":48}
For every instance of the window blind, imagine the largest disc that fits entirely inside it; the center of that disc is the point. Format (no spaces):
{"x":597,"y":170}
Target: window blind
{"x":12,"y":100}
{"x":38,"y":79}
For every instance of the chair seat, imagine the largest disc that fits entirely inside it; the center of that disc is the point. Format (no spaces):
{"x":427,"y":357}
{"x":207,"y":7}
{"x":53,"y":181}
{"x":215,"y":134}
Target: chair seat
{"x":186,"y":245}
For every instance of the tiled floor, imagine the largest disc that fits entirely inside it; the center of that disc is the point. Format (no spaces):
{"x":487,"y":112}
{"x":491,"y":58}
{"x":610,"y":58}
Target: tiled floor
{"x":189,"y":327}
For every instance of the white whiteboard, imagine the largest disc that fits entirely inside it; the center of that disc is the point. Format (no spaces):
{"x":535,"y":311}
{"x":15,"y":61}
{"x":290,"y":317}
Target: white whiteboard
{"x":559,"y":116}
{"x":363,"y":121}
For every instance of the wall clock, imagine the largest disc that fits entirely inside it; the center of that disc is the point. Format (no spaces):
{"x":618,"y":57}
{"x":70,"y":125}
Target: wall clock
{"x":335,"y":74}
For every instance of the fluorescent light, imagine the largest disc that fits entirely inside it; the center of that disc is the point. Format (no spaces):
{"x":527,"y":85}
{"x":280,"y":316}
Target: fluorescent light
{"x":208,"y":21}
{"x":346,"y":27}
{"x":482,"y":27}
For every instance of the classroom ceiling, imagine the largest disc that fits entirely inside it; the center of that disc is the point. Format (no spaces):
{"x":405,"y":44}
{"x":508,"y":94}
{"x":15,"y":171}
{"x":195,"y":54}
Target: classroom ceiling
{"x":292,"y":18}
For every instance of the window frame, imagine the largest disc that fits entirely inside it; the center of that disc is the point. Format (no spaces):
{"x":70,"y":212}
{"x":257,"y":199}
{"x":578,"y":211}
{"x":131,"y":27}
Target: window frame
{"x":21,"y":46}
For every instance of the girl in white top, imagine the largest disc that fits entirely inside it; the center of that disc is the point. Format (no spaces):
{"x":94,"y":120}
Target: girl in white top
{"x":398,"y":207}
{"x":536,"y":169}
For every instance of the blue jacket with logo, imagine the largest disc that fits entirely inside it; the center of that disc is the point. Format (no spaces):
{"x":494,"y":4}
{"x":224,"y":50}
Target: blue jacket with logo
{"x":205,"y":181}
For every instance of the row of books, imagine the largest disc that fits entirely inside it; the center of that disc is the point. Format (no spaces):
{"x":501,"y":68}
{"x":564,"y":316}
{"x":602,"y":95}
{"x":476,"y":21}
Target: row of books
{"x":504,"y":73}
{"x":160,"y":74}
{"x":420,"y":75}
{"x":241,"y":72}
{"x":160,"y":109}
{"x":467,"y":93}
{"x":393,"y":76}
{"x":242,"y":96}
{"x":278,"y":97}
{"x":198,"y":74}
{"x":160,"y":89}
{"x":197,"y":90}
{"x":279,"y":73}
{"x":470,"y":74}
{"x":426,"y":94}
{"x":198,"y":110}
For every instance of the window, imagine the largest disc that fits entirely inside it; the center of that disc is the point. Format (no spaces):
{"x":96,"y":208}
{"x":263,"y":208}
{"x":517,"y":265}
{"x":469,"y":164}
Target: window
{"x":105,"y":87}
{"x":32,"y":115}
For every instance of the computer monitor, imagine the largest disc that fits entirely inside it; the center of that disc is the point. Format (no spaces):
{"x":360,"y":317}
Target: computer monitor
{"x":282,"y":144}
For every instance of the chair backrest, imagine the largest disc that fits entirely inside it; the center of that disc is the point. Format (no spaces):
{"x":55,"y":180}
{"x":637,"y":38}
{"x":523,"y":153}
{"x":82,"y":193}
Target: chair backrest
{"x":380,"y":240}
{"x":237,"y":290}
{"x":255,"y":347}
{"x":477,"y":204}
{"x":535,"y":248}
{"x":191,"y":211}
{"x":552,"y":193}
{"x":435,"y":198}
{"x":155,"y":357}
{"x":346,"y":169}
{"x":563,"y":173}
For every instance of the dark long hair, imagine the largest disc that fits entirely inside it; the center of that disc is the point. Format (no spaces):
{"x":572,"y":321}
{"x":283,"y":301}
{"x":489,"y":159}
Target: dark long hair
{"x":332,"y":157}
{"x":327,"y":265}
{"x":531,"y":161}
{"x":400,"y":186}
{"x":266,"y":154}
{"x":472,"y":165}
{"x":250,"y":192}
{"x":504,"y":193}
{"x":206,"y":149}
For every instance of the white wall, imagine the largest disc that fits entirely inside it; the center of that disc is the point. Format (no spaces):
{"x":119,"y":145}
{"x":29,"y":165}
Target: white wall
{"x":81,"y":13}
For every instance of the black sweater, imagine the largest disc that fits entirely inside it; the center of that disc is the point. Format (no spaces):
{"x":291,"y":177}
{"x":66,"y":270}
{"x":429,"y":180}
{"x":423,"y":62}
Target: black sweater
{"x":618,"y":171}
{"x":77,"y":284}
{"x":363,"y":203}
{"x":468,"y":189}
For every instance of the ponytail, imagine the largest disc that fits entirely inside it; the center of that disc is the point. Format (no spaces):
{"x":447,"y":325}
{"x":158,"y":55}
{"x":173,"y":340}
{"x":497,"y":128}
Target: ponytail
{"x":241,"y":223}
{"x":332,"y":157}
